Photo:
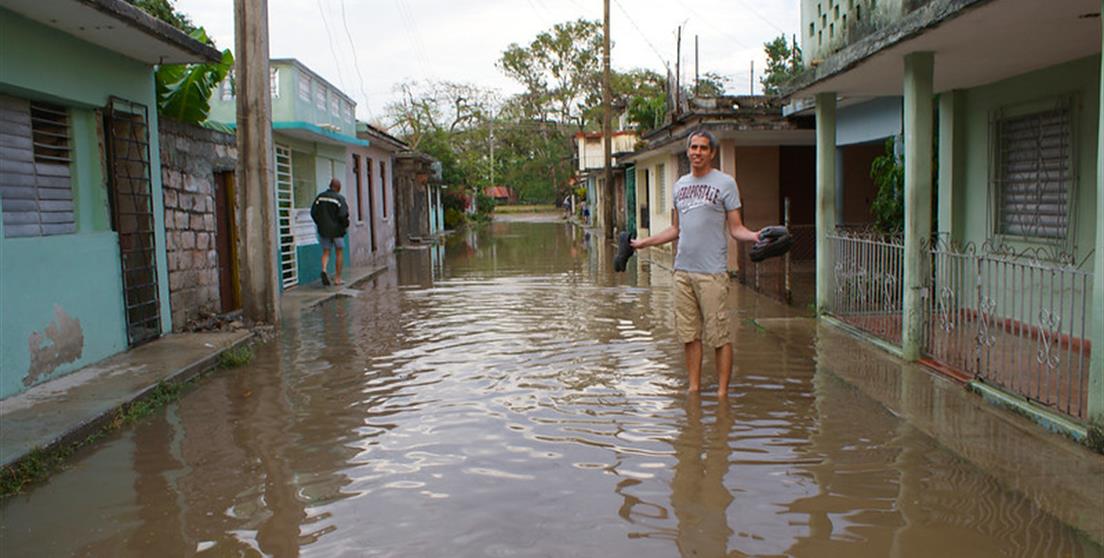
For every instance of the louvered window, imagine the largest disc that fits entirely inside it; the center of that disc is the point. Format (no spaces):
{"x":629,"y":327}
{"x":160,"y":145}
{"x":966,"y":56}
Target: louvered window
{"x":661,"y":188}
{"x":1034,"y":173}
{"x":36,"y":189}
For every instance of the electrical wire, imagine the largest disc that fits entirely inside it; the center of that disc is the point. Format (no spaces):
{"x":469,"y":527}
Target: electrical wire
{"x":642,"y":35}
{"x":356,"y":64}
{"x":333,"y":51}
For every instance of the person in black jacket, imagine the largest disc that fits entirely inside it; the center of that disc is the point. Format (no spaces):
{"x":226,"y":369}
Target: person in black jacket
{"x":331,"y":215}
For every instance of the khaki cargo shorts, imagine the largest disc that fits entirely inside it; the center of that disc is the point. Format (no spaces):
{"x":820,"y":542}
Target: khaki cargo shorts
{"x":701,"y":302}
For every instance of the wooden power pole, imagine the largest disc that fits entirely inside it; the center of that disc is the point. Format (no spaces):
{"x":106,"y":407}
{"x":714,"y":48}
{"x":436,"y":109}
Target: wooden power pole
{"x":607,"y":132}
{"x":255,"y":192}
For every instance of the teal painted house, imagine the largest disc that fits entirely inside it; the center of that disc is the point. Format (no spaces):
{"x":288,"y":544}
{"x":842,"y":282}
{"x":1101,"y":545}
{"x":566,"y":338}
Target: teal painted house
{"x":997,"y":275}
{"x":314,"y":129}
{"x":82,"y":241}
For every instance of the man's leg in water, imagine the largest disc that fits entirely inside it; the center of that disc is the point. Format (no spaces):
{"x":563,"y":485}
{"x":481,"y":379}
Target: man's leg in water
{"x":724,"y":368}
{"x":694,"y":363}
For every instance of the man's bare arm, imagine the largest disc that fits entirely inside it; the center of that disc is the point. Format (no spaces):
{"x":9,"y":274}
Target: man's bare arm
{"x":669,"y":234}
{"x":736,"y":228}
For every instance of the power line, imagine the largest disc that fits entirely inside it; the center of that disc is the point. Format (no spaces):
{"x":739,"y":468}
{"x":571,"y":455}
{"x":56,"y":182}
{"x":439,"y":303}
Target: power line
{"x":709,"y":22}
{"x":333,"y":51}
{"x":356,"y":64}
{"x":642,"y":35}
{"x":756,"y":13}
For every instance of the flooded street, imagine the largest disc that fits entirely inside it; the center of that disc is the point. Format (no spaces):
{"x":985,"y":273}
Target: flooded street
{"x":507,"y":394}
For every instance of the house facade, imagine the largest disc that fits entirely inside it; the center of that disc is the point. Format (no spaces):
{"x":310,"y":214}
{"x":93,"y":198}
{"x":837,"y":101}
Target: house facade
{"x":997,"y":276}
{"x":372,"y":195}
{"x":314,"y":132}
{"x":82,"y":239}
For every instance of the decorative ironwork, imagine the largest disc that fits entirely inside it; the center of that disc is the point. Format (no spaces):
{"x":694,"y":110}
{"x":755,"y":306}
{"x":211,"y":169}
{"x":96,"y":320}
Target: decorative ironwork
{"x":985,"y":323}
{"x":946,"y":303}
{"x":1049,"y":323}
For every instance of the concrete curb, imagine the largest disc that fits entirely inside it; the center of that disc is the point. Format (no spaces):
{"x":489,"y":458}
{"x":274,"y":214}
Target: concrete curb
{"x":80,"y":432}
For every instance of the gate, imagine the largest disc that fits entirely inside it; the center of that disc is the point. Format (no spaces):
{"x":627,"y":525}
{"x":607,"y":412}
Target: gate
{"x":131,"y":195}
{"x":1015,"y":319}
{"x":289,"y":260}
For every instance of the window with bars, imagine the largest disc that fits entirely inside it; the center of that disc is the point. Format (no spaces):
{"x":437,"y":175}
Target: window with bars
{"x":36,"y":189}
{"x":274,"y":82}
{"x":305,"y":88}
{"x":320,"y":97}
{"x":383,"y":188}
{"x":335,"y":104}
{"x":1034,"y":172}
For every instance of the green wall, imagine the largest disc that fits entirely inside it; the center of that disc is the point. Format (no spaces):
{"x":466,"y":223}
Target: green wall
{"x":1080,"y":78}
{"x":79,"y":273}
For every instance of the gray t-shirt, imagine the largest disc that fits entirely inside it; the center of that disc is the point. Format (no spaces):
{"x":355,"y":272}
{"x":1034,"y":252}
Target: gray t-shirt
{"x":702,"y":205}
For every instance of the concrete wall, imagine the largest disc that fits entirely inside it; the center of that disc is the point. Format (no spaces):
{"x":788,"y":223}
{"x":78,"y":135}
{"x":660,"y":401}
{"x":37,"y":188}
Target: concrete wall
{"x":873,"y":120}
{"x":190,"y":157}
{"x":830,"y":25}
{"x":61,"y":297}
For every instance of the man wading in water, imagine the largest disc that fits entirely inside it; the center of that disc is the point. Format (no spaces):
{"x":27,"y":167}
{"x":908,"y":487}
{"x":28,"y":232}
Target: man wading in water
{"x":707,"y":204}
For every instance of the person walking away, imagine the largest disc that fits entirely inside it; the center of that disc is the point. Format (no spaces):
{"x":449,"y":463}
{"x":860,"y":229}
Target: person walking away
{"x":707,"y":203}
{"x":331,"y":215}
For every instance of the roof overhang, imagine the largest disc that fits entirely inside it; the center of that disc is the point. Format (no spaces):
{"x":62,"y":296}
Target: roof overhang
{"x":312,"y":132}
{"x":119,"y":27}
{"x":975,"y":42}
{"x":676,"y":143}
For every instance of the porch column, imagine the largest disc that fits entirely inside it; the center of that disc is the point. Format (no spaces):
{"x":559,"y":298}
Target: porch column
{"x":825,"y":194}
{"x":918,"y":188}
{"x":1096,"y":366}
{"x":950,"y":147}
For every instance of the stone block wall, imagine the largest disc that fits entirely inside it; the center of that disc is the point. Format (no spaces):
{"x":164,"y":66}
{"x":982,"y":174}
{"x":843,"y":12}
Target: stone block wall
{"x":190,"y":157}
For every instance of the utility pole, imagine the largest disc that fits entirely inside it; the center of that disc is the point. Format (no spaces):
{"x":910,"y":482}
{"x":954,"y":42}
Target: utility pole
{"x":607,"y":132}
{"x":697,"y":84}
{"x":257,"y":265}
{"x":492,"y":147}
{"x":678,"y":71}
{"x":752,"y":78}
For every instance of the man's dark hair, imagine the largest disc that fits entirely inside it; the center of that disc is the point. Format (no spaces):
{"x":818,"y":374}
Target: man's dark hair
{"x":702,"y":132}
{"x":335,"y":182}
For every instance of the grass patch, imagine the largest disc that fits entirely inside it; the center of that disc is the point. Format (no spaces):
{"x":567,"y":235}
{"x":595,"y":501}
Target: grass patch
{"x":236,"y":356}
{"x":1094,"y":437}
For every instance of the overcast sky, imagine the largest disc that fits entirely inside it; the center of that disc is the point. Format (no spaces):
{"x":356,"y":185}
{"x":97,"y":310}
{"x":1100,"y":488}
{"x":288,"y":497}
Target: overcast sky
{"x":390,"y":41}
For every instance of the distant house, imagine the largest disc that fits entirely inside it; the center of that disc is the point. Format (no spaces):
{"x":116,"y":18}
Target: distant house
{"x":500,"y":194}
{"x":591,"y":162}
{"x":371,"y":194}
{"x":315,"y":134}
{"x":82,"y":239}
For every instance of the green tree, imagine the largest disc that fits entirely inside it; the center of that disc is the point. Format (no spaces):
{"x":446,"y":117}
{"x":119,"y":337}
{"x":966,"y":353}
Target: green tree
{"x":184,"y":90}
{"x":783,"y":64}
{"x":560,"y":70}
{"x":711,"y":84}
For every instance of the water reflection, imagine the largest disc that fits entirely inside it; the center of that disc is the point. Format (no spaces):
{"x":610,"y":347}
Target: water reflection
{"x":512,"y":396}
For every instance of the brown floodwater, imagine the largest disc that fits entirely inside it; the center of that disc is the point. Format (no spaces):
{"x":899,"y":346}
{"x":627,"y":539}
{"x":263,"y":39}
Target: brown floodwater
{"x":508,"y":395}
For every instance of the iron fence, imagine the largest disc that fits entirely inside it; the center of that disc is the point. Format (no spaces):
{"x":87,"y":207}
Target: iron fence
{"x":868,"y":268}
{"x":1016,"y":319}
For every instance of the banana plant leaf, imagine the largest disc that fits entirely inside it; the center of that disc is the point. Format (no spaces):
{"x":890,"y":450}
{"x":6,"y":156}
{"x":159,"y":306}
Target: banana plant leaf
{"x":184,"y":90}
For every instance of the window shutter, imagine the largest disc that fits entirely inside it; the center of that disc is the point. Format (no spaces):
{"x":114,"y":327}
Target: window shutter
{"x":1035,"y":174}
{"x":35,"y":180}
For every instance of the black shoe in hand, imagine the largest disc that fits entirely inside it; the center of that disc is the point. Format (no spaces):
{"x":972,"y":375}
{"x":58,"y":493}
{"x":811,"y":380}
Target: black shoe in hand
{"x":624,"y":252}
{"x":773,"y":241}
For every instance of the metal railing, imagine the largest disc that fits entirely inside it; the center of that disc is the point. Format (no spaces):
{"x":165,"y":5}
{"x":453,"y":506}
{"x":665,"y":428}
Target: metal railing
{"x":1016,"y":319}
{"x":867,"y":275}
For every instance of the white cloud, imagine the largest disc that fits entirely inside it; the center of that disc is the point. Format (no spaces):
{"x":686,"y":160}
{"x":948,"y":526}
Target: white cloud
{"x":461,"y":40}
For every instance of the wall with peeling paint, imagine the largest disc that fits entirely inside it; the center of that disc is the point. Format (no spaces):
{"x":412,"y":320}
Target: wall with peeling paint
{"x":61,"y":297}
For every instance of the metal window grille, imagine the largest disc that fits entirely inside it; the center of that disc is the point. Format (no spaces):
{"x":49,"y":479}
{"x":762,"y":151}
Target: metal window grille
{"x":289,"y":261}
{"x":274,"y":82}
{"x":1034,"y":174}
{"x":335,"y":104}
{"x":305,"y":88}
{"x":320,"y":97}
{"x":35,"y":176}
{"x":131,"y":189}
{"x":227,"y":87}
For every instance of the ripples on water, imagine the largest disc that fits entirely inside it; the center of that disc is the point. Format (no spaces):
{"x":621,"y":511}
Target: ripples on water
{"x":514,"y":398}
